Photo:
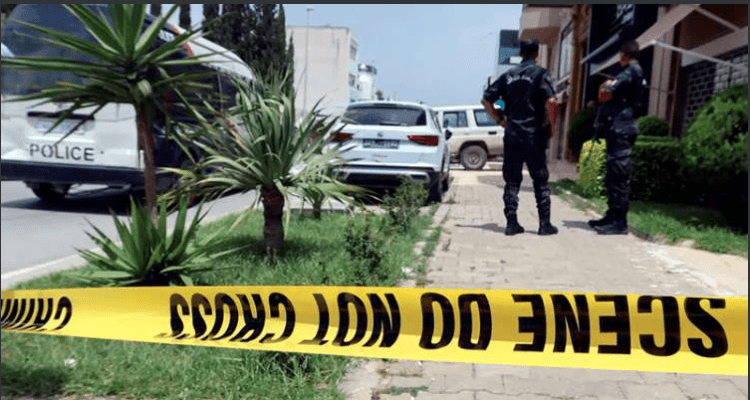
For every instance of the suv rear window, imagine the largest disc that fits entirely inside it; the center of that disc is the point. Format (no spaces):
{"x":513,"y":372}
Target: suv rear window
{"x":386,"y":115}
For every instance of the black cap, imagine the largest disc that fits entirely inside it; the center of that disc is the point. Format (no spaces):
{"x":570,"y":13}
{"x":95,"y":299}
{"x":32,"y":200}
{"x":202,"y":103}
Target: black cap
{"x":529,"y":46}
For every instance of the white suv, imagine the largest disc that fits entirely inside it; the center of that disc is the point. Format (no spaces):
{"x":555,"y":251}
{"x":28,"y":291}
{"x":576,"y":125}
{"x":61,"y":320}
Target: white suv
{"x":386,"y":140}
{"x":476,"y":137}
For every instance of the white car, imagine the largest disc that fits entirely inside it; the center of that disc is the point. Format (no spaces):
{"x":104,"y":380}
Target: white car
{"x":476,"y":136}
{"x":385,"y":140}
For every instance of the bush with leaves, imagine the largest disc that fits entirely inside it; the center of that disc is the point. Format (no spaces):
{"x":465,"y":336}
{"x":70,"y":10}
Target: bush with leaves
{"x":366,"y":243}
{"x":656,"y":169}
{"x":592,"y":169}
{"x":148,"y":255}
{"x":403,"y":206}
{"x":651,"y":125}
{"x":715,"y":154}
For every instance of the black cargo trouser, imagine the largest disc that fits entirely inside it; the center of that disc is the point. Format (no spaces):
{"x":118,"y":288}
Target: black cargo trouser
{"x":619,"y":170}
{"x":532,"y":149}
{"x":621,"y":132}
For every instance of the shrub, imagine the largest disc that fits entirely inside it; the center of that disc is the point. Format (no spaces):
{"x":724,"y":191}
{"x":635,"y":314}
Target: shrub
{"x":580,"y":129}
{"x":365,"y":241}
{"x":148,"y":255}
{"x":403,"y":206}
{"x":715,"y":153}
{"x":651,"y":125}
{"x":656,"y":169}
{"x":592,"y":168}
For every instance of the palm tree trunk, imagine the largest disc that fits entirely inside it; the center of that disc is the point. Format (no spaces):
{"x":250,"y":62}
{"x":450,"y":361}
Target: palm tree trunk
{"x":273,"y":212}
{"x":317,"y":205}
{"x":146,"y":136}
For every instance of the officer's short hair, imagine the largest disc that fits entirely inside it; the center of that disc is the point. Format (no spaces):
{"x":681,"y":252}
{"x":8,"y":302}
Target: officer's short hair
{"x":630,"y":49}
{"x":529,"y":47}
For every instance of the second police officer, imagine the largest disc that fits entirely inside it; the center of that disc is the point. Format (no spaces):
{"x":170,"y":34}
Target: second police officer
{"x":525,"y":90}
{"x":624,"y":100}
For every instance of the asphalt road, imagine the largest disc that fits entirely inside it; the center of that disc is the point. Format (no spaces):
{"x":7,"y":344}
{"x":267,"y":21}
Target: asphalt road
{"x":38,"y":237}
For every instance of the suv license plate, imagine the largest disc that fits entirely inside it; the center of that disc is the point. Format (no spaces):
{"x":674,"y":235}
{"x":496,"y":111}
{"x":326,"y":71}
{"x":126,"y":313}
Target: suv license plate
{"x":380,"y":143}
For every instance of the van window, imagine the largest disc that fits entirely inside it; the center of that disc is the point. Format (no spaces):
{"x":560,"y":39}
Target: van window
{"x":454,"y":119}
{"x":483,"y":119}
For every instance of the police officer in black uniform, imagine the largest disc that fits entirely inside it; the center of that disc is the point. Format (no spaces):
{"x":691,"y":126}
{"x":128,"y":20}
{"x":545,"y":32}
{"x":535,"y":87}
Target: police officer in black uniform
{"x":526,"y":90}
{"x":624,"y":96}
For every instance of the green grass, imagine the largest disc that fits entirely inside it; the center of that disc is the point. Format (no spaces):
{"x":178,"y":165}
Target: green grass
{"x":669,"y":223}
{"x":34,"y":365}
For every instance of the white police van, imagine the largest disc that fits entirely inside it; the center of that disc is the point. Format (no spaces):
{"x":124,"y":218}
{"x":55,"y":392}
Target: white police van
{"x":104,"y":150}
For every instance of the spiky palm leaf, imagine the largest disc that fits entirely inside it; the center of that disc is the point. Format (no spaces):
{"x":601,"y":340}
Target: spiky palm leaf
{"x":257,"y":146}
{"x":148,"y":254}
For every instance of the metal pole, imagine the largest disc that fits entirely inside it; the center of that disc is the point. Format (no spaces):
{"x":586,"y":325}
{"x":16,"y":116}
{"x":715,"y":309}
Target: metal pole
{"x":307,"y":50}
{"x":696,"y":54}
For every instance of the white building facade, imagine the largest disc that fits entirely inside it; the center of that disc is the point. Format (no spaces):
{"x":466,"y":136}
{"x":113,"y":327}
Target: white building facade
{"x":326,"y":66}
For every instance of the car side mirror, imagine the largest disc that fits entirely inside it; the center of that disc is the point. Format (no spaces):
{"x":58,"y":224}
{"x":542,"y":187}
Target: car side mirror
{"x":448,"y":134}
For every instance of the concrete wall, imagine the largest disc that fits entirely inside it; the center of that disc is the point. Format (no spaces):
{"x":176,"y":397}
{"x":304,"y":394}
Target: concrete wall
{"x":330,"y":65}
{"x":705,"y":79}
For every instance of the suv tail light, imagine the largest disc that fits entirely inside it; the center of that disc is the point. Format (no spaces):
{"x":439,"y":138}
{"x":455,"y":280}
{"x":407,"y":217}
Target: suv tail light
{"x":426,"y":140}
{"x":341,"y":137}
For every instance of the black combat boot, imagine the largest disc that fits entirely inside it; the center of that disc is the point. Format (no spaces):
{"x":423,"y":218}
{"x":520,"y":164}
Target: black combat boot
{"x":618,"y":226}
{"x":513,"y":227}
{"x":545,"y":226}
{"x":601,"y":221}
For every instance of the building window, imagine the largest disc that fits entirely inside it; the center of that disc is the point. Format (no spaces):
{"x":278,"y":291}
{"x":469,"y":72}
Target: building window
{"x":352,"y":80}
{"x":455,"y":119}
{"x":353,"y":51}
{"x":563,"y":66}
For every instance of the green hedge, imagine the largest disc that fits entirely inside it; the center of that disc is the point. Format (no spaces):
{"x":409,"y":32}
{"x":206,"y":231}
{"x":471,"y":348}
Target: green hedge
{"x":656,"y":169}
{"x":592,"y":168}
{"x":651,"y":125}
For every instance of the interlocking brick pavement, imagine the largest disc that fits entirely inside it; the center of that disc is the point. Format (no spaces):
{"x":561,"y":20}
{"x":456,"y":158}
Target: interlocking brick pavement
{"x":473,"y":252}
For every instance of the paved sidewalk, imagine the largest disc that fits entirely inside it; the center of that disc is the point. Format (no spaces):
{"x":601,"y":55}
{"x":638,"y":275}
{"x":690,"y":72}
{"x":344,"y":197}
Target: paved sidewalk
{"x":474,"y":253}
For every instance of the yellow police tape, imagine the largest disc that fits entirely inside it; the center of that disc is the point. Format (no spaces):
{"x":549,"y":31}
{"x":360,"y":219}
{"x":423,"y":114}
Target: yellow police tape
{"x":704,"y":335}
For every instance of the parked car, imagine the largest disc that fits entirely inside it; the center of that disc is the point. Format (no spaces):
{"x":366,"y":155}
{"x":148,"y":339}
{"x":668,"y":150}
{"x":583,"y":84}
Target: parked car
{"x":476,"y":137}
{"x":385,"y":140}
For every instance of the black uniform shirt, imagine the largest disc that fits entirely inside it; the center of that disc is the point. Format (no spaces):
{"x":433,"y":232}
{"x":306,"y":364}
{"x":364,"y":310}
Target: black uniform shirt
{"x":627,"y":87}
{"x":524,"y":89}
{"x":627,"y":91}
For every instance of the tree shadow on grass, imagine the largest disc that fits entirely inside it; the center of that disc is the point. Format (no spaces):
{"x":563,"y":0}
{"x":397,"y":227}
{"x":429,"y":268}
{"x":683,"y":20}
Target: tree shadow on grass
{"x":37,"y":383}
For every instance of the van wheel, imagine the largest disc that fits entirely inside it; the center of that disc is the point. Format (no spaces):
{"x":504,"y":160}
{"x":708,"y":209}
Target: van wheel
{"x":473,"y":157}
{"x":50,"y":192}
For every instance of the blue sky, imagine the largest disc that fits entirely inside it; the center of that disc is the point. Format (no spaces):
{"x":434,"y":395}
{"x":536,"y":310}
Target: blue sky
{"x":437,"y":53}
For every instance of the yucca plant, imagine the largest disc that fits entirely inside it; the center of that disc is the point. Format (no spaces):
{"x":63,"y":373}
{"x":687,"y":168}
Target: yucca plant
{"x":256,"y":146}
{"x":147,"y":254}
{"x":126,"y":66}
